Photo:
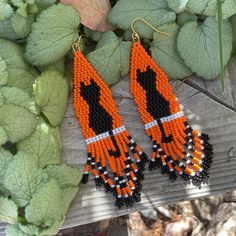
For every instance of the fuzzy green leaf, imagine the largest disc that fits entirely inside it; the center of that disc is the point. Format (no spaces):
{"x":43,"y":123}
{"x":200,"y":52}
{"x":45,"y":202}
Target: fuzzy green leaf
{"x":44,"y":4}
{"x":196,"y":7}
{"x":22,"y":177}
{"x":45,"y":206}
{"x":17,"y":97}
{"x":111,"y":57}
{"x":20,"y":74}
{"x":6,"y":30}
{"x":5,"y":159}
{"x":17,"y":3}
{"x":13,"y":230}
{"x":29,"y":229}
{"x":185,"y":17}
{"x":17,"y":122}
{"x":66,"y":176}
{"x":201,"y":41}
{"x":228,"y":8}
{"x":68,"y":194}
{"x":8,"y":211}
{"x":51,"y":94}
{"x":192,"y":6}
{"x":21,"y":25}
{"x":17,"y":127}
{"x":23,"y":10}
{"x":94,"y":35}
{"x":177,"y":5}
{"x":211,"y":8}
{"x":155,"y":12}
{"x":5,"y":10}
{"x":233,"y":22}
{"x":56,"y":66}
{"x":3,"y":72}
{"x":42,"y":145}
{"x":52,"y":35}
{"x":52,"y":230}
{"x":165,"y":53}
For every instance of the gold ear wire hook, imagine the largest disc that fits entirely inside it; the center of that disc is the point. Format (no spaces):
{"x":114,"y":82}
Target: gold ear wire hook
{"x":76,"y":46}
{"x":135,"y":35}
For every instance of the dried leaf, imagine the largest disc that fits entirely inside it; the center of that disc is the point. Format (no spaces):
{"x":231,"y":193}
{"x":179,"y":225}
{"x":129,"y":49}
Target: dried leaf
{"x":93,"y":13}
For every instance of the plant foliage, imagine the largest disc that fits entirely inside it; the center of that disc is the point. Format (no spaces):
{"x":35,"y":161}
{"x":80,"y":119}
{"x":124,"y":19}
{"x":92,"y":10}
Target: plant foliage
{"x":35,"y":54}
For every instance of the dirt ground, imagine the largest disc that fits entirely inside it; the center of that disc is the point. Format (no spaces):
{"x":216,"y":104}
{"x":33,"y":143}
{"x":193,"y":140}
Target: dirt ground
{"x":211,"y":216}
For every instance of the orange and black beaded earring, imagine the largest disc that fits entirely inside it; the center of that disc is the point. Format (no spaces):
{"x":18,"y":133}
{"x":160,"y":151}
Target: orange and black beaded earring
{"x":108,"y":141}
{"x":177,"y":148}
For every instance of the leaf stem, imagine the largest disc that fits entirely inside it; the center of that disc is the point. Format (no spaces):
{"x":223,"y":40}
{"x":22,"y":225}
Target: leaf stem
{"x":219,"y":12}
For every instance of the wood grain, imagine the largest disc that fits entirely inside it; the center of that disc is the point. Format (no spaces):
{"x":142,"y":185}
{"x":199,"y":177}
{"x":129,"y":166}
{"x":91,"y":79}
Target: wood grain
{"x":203,"y":112}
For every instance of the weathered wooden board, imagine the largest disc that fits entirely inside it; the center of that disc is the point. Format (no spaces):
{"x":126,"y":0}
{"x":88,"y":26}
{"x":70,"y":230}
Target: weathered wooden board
{"x":203,"y":112}
{"x":213,"y":88}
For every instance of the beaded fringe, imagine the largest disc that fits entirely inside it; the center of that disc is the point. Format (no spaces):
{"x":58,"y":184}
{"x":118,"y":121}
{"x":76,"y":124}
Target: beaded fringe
{"x":177,"y":148}
{"x":108,"y":142}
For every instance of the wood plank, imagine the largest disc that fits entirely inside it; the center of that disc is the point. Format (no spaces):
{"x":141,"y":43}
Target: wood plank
{"x":204,"y":113}
{"x":213,"y":88}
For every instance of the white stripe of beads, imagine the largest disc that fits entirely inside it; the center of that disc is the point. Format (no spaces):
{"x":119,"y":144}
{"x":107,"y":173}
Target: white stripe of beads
{"x":164,"y":119}
{"x":104,"y":135}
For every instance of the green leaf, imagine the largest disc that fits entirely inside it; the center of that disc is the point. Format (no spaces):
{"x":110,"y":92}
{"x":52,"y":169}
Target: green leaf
{"x":5,"y":10}
{"x":17,"y":3}
{"x":3,"y":72}
{"x":52,"y":230}
{"x":8,"y":211}
{"x":20,"y":74}
{"x":44,"y":4}
{"x":111,"y":58}
{"x":94,"y":35}
{"x":56,"y":66}
{"x":196,"y":7}
{"x":192,"y":6}
{"x":29,"y":229}
{"x":66,"y":176}
{"x":6,"y":30}
{"x":51,"y":94}
{"x":45,"y":206}
{"x":68,"y":194}
{"x":13,"y":230}
{"x":5,"y":159}
{"x":177,"y":5}
{"x":21,"y":25}
{"x":211,"y":8}
{"x":185,"y":17}
{"x":233,"y":22}
{"x":228,"y":8}
{"x":164,"y":52}
{"x":19,"y":126}
{"x":16,"y":127}
{"x":42,"y":145}
{"x":219,"y":18}
{"x":17,"y":97}
{"x":23,"y":10}
{"x":52,"y":35}
{"x":22,"y":177}
{"x":155,"y":12}
{"x":33,"y":9}
{"x":196,"y":42}
{"x":57,"y":135}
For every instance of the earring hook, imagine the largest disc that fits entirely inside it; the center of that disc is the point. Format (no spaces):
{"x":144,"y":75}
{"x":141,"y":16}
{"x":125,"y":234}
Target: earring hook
{"x":135,"y":35}
{"x":76,"y":46}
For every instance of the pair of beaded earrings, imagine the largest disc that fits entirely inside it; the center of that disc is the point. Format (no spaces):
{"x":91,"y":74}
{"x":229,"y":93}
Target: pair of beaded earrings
{"x":177,"y":148}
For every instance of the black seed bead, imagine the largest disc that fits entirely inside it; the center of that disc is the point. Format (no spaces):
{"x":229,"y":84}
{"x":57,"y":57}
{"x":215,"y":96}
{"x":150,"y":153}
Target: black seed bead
{"x":172,"y":176}
{"x":85,"y":178}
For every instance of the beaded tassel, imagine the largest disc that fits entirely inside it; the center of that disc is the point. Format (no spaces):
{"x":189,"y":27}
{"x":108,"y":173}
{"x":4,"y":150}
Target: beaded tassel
{"x":177,"y":148}
{"x":107,"y":140}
